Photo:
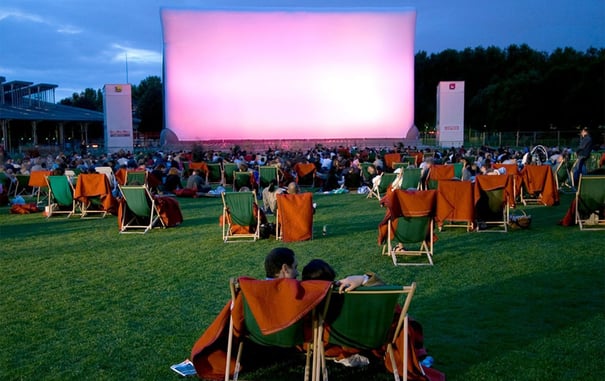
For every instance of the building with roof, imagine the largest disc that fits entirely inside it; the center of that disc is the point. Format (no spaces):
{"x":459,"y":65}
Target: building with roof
{"x":30,"y":118}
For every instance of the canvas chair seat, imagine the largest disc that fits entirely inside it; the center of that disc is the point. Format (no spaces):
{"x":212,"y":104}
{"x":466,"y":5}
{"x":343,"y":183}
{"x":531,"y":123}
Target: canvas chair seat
{"x":538,"y":185}
{"x":93,"y":191}
{"x":305,"y":174}
{"x":455,"y":206}
{"x":37,"y":181}
{"x":492,"y":196}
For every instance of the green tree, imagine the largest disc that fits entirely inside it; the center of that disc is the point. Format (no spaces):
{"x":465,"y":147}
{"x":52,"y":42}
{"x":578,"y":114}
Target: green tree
{"x":148,"y":103}
{"x":89,"y":99}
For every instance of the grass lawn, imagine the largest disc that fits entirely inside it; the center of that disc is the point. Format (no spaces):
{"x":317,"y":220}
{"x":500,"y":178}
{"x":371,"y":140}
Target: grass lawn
{"x":80,"y":301}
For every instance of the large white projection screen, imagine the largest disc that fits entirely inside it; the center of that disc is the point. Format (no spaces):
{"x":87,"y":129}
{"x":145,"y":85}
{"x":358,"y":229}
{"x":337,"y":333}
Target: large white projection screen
{"x":289,"y":74}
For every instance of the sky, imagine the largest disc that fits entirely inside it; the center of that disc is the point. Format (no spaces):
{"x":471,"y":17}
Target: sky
{"x":78,"y":44}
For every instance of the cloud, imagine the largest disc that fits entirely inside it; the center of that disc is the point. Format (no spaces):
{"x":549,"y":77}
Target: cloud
{"x":32,"y":17}
{"x":135,"y":55}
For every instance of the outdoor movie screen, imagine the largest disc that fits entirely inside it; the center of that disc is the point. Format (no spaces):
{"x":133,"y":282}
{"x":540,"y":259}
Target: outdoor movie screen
{"x":288,"y":73}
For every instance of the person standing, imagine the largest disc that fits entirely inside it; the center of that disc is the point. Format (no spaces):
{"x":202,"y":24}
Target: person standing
{"x":583,"y":154}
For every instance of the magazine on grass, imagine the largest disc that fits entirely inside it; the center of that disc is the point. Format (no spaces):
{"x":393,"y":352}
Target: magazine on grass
{"x":185,"y":368}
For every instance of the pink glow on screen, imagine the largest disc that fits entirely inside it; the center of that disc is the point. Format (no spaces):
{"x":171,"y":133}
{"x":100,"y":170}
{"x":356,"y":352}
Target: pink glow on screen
{"x":288,"y":74}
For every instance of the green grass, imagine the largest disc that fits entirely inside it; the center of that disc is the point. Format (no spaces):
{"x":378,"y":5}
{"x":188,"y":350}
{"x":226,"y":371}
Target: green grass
{"x":80,"y":301}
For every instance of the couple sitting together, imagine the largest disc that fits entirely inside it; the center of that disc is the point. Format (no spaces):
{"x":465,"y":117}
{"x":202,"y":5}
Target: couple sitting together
{"x":209,"y":353}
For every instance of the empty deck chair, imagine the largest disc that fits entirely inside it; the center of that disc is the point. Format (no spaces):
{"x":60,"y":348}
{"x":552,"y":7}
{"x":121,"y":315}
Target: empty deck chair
{"x":60,"y":196}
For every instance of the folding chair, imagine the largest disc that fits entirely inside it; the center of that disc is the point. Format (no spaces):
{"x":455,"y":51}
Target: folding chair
{"x":273,"y":313}
{"x":409,"y":221}
{"x":266,"y":174}
{"x":364,"y":319}
{"x":241,"y":216}
{"x":215,"y":174}
{"x":455,"y":206}
{"x":590,"y":202}
{"x":138,"y":212}
{"x":411,"y":178}
{"x":538,"y":185}
{"x":492,"y":198}
{"x":440,"y":172}
{"x":94,"y":192}
{"x":380,"y":186}
{"x":108,"y":171}
{"x":563,"y":177}
{"x":22,"y":184}
{"x":242,"y":179}
{"x":305,"y":174}
{"x":366,"y":177}
{"x":136,"y":178}
{"x":228,"y":171}
{"x":294,"y":218}
{"x":37,"y":181}
{"x":60,"y":196}
{"x":390,"y":159}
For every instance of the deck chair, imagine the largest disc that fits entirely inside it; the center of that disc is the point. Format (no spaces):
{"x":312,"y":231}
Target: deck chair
{"x":366,"y":178}
{"x":215,"y":174}
{"x":294,"y":218}
{"x":22,"y":185}
{"x":136,"y":178}
{"x":590,"y":202}
{"x":439,"y":172}
{"x":538,"y":185}
{"x":266,"y":174}
{"x":139,"y":212}
{"x":305,"y":174}
{"x":390,"y":159}
{"x":37,"y":181}
{"x":455,"y":207}
{"x":380,"y":186}
{"x":409,"y":227}
{"x":108,"y":171}
{"x":242,"y":179}
{"x":94,"y":192}
{"x":411,"y":178}
{"x":241,"y":216}
{"x":228,"y":169}
{"x":60,"y":196}
{"x":563,"y":177}
{"x":377,"y":329}
{"x":410,"y":160}
{"x":492,"y":202}
{"x":273,"y":313}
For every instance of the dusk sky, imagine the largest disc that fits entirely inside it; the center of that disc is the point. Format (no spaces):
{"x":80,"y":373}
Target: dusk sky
{"x":79,"y":44}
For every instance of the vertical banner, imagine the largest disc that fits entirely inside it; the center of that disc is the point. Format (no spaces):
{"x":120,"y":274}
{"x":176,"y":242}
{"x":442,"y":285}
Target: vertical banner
{"x":450,"y":113}
{"x":117,"y":104}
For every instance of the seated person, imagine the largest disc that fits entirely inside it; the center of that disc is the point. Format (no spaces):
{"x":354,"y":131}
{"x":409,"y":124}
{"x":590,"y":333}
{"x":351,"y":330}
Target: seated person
{"x":173,"y":181}
{"x":269,"y":197}
{"x":197,"y":183}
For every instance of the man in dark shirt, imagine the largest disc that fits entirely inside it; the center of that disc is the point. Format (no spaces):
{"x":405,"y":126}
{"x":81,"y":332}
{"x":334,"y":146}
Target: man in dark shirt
{"x":583,"y":153}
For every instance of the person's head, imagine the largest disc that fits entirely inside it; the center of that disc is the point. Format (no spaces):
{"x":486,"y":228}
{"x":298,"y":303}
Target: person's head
{"x":584,"y":131}
{"x":292,"y":188}
{"x":281,"y":263}
{"x":318,"y":269}
{"x":173,"y":171}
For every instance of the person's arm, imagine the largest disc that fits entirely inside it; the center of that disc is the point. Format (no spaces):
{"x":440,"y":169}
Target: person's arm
{"x":352,"y":282}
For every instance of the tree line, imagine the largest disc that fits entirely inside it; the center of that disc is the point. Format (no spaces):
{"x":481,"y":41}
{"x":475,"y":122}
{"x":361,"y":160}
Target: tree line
{"x":511,"y":89}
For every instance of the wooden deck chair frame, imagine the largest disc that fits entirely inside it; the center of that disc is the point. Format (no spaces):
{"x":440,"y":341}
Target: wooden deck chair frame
{"x":37,"y":180}
{"x":424,"y":246}
{"x":22,"y":184}
{"x":278,"y":339}
{"x":377,"y":305}
{"x":140,"y":213}
{"x":590,"y":198}
{"x":60,"y":196}
{"x":243,"y":200}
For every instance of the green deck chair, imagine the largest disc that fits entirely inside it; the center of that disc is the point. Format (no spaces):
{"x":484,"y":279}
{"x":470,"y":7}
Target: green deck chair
{"x":381,"y":188}
{"x":140,"y":213}
{"x":411,"y":178}
{"x":268,"y":173}
{"x":457,"y":170}
{"x":492,"y":210}
{"x":377,"y":306}
{"x":242,"y":179}
{"x":22,"y":186}
{"x":228,"y":169}
{"x":365,"y":174}
{"x":60,"y":196}
{"x":411,"y":160}
{"x":563,"y":177}
{"x":416,"y":234}
{"x":241,"y":216}
{"x":289,"y":337}
{"x":215,"y":174}
{"x":136,"y":178}
{"x":590,"y":202}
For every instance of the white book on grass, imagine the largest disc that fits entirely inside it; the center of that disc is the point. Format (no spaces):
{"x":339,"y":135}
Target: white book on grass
{"x":184,"y":368}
